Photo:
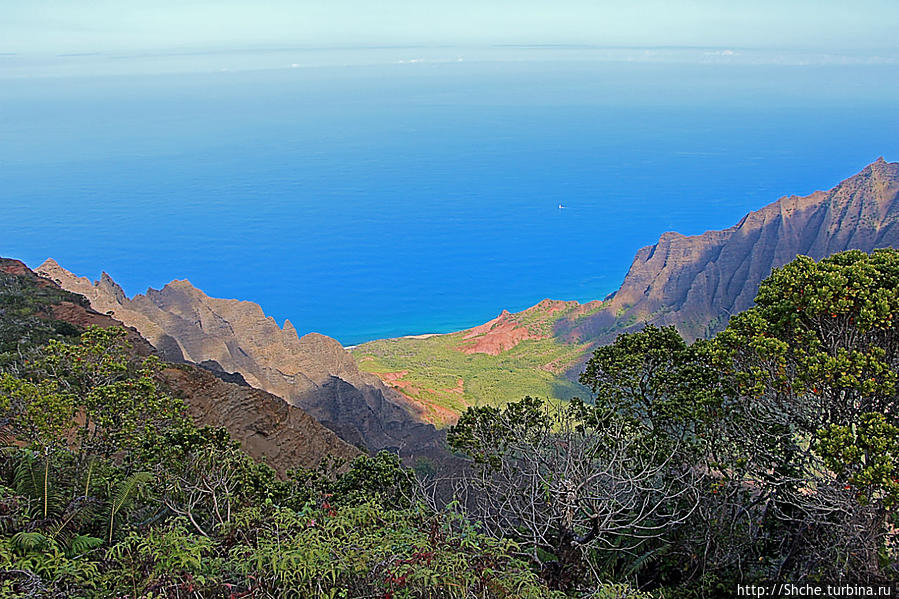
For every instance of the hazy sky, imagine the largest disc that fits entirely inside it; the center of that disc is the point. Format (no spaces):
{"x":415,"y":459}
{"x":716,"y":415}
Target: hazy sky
{"x":59,"y":26}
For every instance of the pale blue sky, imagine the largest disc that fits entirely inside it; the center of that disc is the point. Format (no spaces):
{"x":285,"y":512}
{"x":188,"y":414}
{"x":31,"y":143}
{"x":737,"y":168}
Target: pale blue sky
{"x":58,"y":26}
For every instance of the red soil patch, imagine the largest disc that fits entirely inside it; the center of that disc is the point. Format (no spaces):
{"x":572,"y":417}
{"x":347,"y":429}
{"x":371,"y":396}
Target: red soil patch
{"x":496,"y":336}
{"x":550,"y":306}
{"x":13,"y":267}
{"x":394,"y":379}
{"x":433,"y":413}
{"x":459,"y":388}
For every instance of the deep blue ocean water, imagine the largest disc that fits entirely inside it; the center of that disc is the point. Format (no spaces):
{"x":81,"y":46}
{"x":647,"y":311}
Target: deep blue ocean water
{"x":376,"y":200}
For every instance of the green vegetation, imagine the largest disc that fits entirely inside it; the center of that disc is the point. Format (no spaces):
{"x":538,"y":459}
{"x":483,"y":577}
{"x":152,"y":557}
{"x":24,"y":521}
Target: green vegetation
{"x":434,"y":366}
{"x":769,"y":453}
{"x":108,"y":490}
{"x":429,"y":369}
{"x":26,"y":313}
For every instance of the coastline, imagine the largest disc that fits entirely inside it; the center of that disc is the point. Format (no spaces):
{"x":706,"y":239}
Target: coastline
{"x":421,"y":336}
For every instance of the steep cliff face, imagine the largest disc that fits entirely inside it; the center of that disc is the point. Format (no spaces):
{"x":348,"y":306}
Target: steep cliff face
{"x":229,"y":336}
{"x":268,"y":428}
{"x":696,"y":283}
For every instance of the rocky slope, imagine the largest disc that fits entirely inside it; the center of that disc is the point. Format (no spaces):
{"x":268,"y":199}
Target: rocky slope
{"x":268,"y":428}
{"x":229,"y":336}
{"x":694,"y":283}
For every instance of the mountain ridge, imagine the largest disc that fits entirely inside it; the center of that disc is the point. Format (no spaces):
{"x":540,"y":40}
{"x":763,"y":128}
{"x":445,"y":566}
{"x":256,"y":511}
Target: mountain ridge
{"x":230,"y":336}
{"x":694,"y":283}
{"x":691,"y":282}
{"x":268,"y":428}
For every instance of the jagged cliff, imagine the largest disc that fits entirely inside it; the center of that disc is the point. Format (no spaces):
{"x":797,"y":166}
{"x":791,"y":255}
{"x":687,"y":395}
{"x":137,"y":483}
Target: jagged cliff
{"x":229,"y":336}
{"x":696,"y":283}
{"x":268,"y":428}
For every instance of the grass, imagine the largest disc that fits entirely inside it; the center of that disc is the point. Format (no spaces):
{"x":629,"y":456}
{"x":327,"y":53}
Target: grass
{"x":435,"y":366}
{"x":429,"y":370}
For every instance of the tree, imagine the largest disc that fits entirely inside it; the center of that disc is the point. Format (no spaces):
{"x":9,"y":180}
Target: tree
{"x":814,"y":371}
{"x":39,"y":414}
{"x":569,"y":480}
{"x":118,"y":399}
{"x":674,"y":395}
{"x":82,"y":411}
{"x":769,"y":453}
{"x":665,"y":388}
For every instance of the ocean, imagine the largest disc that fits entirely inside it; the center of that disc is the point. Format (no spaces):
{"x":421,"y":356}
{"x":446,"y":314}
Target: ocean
{"x":385,"y":192}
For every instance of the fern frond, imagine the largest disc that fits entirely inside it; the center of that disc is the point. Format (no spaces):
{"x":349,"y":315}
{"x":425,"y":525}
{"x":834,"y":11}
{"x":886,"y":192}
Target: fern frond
{"x":27,"y":477}
{"x":81,"y":544}
{"x":641,"y":562}
{"x":30,"y":541}
{"x":78,"y":514}
{"x":130,"y":489}
{"x":28,"y":481}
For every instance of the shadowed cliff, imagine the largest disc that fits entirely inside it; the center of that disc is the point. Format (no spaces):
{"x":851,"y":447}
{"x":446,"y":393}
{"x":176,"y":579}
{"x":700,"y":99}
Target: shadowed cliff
{"x":696,"y":283}
{"x":236,"y":339}
{"x":268,"y":428}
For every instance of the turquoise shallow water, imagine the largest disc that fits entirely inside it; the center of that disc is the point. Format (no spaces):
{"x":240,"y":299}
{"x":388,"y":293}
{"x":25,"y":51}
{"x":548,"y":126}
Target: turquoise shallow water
{"x":367,"y":201}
